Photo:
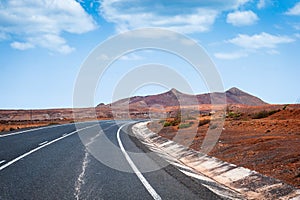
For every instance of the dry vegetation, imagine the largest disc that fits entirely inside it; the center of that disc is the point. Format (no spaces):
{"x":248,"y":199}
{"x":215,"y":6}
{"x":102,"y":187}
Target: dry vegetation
{"x":265,"y":139}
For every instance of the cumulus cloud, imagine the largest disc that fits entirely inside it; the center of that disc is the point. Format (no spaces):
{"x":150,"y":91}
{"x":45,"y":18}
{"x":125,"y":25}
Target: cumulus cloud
{"x":21,"y":46}
{"x":242,"y":18}
{"x":131,"y":57}
{"x":261,"y":4}
{"x":41,"y":23}
{"x":258,"y":41}
{"x":297,"y":35}
{"x":294,"y":10}
{"x":230,"y":56}
{"x":178,"y":15}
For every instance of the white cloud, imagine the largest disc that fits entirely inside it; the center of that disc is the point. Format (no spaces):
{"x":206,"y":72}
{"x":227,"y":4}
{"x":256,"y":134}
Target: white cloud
{"x":261,"y":4}
{"x":131,"y":57}
{"x":262,"y":40}
{"x":230,"y":56}
{"x":178,"y":15}
{"x":295,"y":10}
{"x":21,"y":46}
{"x":273,"y":52}
{"x":242,"y":18}
{"x":296,"y":26}
{"x":297,"y":35}
{"x":41,"y":23}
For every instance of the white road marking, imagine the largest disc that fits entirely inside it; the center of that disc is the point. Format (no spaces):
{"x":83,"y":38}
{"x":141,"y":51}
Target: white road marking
{"x":197,"y":176}
{"x":40,"y":128}
{"x":2,"y":161}
{"x":220,"y":190}
{"x":42,"y":146}
{"x":33,"y":129}
{"x":180,"y":165}
{"x":146,"y":184}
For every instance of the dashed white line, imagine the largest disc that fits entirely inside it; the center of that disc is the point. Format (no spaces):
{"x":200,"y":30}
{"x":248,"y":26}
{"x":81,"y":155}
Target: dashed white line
{"x":2,"y":161}
{"x":42,"y":146}
{"x":146,"y":184}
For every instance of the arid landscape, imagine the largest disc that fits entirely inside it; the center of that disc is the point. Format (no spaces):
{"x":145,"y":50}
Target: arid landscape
{"x":256,"y":135}
{"x":252,"y":136}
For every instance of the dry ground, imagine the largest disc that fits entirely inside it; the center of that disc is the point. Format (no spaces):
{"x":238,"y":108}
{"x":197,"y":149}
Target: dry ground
{"x":270,"y":145}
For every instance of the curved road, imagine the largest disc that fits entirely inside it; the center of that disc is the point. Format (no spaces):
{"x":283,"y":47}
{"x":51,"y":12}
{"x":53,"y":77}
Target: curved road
{"x":53,"y":163}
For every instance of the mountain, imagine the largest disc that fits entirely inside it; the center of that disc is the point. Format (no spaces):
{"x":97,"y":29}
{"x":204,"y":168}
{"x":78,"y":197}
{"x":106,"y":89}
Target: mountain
{"x":237,"y":96}
{"x":173,"y":97}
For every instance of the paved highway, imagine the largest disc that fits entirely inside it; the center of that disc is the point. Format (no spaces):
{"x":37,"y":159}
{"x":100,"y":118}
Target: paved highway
{"x":53,"y":163}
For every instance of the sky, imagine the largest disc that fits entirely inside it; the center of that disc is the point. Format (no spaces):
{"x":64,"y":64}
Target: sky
{"x":254,"y":44}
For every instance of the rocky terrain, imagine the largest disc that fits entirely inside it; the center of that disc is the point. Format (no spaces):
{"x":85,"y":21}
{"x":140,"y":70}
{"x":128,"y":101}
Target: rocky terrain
{"x":262,"y":138}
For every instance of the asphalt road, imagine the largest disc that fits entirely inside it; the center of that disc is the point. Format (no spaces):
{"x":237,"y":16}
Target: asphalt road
{"x":62,"y":162}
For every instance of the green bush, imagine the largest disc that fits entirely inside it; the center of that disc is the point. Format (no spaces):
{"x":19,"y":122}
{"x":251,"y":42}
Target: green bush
{"x":234,"y":115}
{"x":181,"y":126}
{"x":166,"y":124}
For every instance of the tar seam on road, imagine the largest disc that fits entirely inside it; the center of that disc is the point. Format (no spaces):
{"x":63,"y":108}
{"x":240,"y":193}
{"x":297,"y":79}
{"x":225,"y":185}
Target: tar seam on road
{"x":42,"y":146}
{"x":80,"y":180}
{"x":146,"y":184}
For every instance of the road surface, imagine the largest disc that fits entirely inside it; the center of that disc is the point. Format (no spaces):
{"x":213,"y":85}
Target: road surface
{"x":53,"y":163}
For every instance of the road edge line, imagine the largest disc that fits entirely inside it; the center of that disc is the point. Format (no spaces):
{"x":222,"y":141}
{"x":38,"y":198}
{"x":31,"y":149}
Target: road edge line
{"x":146,"y":184}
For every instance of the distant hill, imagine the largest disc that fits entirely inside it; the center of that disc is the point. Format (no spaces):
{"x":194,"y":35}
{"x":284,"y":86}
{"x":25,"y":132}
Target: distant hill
{"x":173,"y":97}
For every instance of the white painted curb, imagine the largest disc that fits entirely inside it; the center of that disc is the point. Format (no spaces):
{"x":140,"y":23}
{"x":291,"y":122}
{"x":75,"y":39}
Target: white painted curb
{"x":248,"y":183}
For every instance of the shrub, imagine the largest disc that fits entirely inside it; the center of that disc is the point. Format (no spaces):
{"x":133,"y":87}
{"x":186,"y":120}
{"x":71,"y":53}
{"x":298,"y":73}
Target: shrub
{"x":162,"y":121}
{"x":181,"y":126}
{"x":166,"y":124}
{"x":203,"y":122}
{"x":234,"y":115}
{"x":177,"y":119}
{"x":261,"y":114}
{"x":264,"y":114}
{"x":273,"y":112}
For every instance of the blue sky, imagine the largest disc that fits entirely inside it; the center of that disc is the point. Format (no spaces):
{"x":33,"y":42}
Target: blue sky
{"x":255,"y":45}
